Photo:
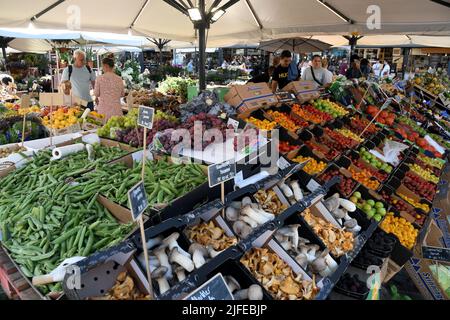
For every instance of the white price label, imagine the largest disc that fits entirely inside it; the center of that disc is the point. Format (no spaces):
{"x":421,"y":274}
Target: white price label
{"x":283,"y":163}
{"x":313,"y":185}
{"x":233,"y":123}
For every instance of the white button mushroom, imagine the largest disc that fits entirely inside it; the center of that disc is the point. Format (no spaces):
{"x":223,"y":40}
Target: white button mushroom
{"x":232,"y":283}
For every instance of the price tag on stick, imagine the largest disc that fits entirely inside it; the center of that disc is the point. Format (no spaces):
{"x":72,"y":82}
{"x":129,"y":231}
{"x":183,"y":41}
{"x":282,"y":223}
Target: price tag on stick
{"x":138,"y":201}
{"x":145,"y":117}
{"x":219,"y":174}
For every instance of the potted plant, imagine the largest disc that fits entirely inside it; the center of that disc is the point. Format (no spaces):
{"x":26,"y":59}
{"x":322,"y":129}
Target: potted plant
{"x":90,"y":57}
{"x":64,"y":59}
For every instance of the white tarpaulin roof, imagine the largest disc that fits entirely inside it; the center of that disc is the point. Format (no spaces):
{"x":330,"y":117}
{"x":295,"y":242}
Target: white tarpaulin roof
{"x":279,"y":19}
{"x":391,"y":40}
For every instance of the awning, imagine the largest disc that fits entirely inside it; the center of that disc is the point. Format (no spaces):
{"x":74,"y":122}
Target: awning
{"x":247,"y":20}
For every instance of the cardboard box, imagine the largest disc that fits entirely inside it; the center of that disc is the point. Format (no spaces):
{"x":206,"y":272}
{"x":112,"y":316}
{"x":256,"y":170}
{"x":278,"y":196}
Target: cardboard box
{"x":250,"y":97}
{"x":421,"y":273}
{"x":304,"y":90}
{"x":431,"y":245}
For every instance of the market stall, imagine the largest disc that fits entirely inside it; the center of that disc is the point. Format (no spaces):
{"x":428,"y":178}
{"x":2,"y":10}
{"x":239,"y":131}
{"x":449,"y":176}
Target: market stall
{"x":359,"y":181}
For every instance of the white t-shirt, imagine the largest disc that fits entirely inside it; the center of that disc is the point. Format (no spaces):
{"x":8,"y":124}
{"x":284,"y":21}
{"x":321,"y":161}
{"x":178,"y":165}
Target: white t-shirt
{"x":81,"y":81}
{"x":322,"y":75}
{"x":386,"y":70}
{"x":377,"y":67}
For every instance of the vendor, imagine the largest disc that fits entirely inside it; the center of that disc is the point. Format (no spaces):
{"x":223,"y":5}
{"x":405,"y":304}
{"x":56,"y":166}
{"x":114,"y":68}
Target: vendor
{"x":280,"y":78}
{"x":316,"y":73}
{"x":108,"y":91}
{"x":354,"y":72}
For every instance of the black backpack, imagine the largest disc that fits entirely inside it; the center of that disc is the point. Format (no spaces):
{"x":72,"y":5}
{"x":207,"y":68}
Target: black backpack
{"x":71,"y":70}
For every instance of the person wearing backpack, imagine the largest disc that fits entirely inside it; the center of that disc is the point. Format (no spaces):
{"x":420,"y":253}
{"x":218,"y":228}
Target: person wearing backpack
{"x":81,"y":77}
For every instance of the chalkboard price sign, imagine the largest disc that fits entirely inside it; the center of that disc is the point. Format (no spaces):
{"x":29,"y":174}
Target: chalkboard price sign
{"x":145,"y":117}
{"x":138,"y":200}
{"x":214,"y":289}
{"x":441,"y":254}
{"x":220,"y":173}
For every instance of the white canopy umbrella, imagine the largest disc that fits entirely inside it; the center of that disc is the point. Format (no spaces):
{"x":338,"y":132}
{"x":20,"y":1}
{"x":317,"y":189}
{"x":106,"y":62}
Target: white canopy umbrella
{"x":297,"y":45}
{"x":245,"y":20}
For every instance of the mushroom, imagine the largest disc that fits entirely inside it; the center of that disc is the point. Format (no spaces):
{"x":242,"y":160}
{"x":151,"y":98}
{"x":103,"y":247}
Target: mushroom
{"x":198,"y":253}
{"x":232,"y":214}
{"x":312,"y":248}
{"x":252,"y":223}
{"x":213,"y":253}
{"x":171,"y":242}
{"x":154,"y":242}
{"x":255,"y":215}
{"x":350,"y":224}
{"x":181,"y":275}
{"x":232,"y":283}
{"x":253,"y":293}
{"x":242,"y":229}
{"x":153,"y":261}
{"x":339,"y":213}
{"x":332,"y":203}
{"x":286,"y":244}
{"x":216,"y":233}
{"x":294,"y":233}
{"x":236,"y":205}
{"x":320,"y":265}
{"x":246,"y":202}
{"x":159,"y":276}
{"x":182,"y":260}
{"x":298,"y":194}
{"x":286,"y":190}
{"x":302,"y":260}
{"x":160,"y":253}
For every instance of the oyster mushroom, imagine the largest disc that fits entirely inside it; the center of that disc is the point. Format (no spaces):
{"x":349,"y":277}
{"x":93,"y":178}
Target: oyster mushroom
{"x":199,"y":253}
{"x":160,"y":253}
{"x":232,"y":284}
{"x":253,"y":293}
{"x":252,"y":223}
{"x":171,"y":242}
{"x":182,"y":260}
{"x":181,"y":275}
{"x":159,"y":276}
{"x":255,"y":215}
{"x":232,"y":214}
{"x":242,"y":229}
{"x":212,"y":253}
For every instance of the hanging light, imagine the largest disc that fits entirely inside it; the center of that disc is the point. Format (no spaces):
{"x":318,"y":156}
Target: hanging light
{"x":195,"y":14}
{"x":217,"y":14}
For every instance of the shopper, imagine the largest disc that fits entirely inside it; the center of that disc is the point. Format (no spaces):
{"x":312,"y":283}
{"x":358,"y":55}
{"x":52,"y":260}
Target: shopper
{"x":264,"y":77}
{"x":328,"y":74}
{"x":354,"y":72}
{"x":377,"y":68}
{"x":108,"y":91}
{"x":280,"y":77}
{"x":316,"y":73}
{"x":386,"y":71}
{"x":365,"y":68}
{"x":343,"y":66}
{"x":82,"y":78}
